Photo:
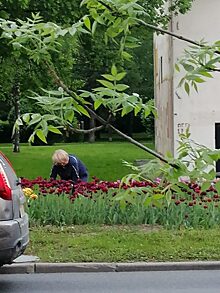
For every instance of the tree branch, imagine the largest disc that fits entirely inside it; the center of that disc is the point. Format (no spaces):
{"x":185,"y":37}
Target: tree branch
{"x":170,"y":33}
{"x":60,"y":83}
{"x":211,"y":69}
{"x":107,"y":6}
{"x":163,"y":31}
{"x":85,"y":131}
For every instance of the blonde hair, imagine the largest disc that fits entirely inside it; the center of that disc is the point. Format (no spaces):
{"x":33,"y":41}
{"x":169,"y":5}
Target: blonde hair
{"x":60,"y":156}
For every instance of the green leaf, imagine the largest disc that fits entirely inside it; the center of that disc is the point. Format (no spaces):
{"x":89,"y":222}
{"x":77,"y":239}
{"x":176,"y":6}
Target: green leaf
{"x":177,"y":67}
{"x":120,"y":76}
{"x":87,"y":22}
{"x":131,"y":39}
{"x":147,"y":112}
{"x":217,"y":186}
{"x":184,"y":185}
{"x":31,"y":138}
{"x":83,"y":2}
{"x":82,"y":110}
{"x":40,"y":134}
{"x":137,"y":109}
{"x":121,"y":195}
{"x":158,"y":196}
{"x":82,"y":30}
{"x":85,"y":94}
{"x":182,"y":154}
{"x":34,"y":119}
{"x":54,"y":129}
{"x":106,"y":83}
{"x":94,"y":25}
{"x":195,"y":86}
{"x":72,"y":30}
{"x":214,"y":155}
{"x":177,"y":189}
{"x":199,"y":80}
{"x":121,"y":87}
{"x":126,"y":56}
{"x":97,"y":104}
{"x":156,"y":203}
{"x":132,"y":45}
{"x":126,"y":110}
{"x":181,"y":82}
{"x":205,"y":186}
{"x":188,"y":67}
{"x":147,"y":201}
{"x":205,"y":73}
{"x":168,"y":196}
{"x":213,"y":61}
{"x":187,"y":88}
{"x":69,"y":115}
{"x":43,"y":125}
{"x":114,"y":71}
{"x":100,"y":20}
{"x":19,"y":122}
{"x":49,"y":117}
{"x":109,"y":77}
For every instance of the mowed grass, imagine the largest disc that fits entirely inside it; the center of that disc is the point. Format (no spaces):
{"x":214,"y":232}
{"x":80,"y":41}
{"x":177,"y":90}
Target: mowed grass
{"x":122,"y":244}
{"x":103,"y":160}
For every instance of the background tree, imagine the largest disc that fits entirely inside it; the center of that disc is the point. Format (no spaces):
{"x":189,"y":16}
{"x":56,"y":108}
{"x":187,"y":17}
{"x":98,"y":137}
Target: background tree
{"x":16,"y":68}
{"x":121,"y":20}
{"x":79,"y":69}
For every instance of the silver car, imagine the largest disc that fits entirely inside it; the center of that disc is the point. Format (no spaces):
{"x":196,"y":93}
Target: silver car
{"x":14,"y":232}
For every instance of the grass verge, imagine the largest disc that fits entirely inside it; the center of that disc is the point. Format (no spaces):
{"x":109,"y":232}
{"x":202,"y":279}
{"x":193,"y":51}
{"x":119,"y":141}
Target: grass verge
{"x":122,"y":244}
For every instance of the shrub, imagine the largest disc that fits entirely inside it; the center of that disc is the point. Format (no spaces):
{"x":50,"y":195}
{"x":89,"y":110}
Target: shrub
{"x":5,"y":131}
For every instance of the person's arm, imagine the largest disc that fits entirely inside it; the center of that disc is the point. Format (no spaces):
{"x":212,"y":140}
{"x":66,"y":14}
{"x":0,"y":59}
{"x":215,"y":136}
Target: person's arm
{"x":83,"y":172}
{"x":53,"y":173}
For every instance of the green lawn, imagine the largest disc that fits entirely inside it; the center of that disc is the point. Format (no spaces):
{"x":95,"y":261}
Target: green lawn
{"x":122,"y":244}
{"x":103,"y":160}
{"x":107,"y":243}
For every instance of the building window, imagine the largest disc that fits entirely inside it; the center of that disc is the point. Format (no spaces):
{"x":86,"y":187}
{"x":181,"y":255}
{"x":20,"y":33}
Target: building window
{"x":161,"y":69}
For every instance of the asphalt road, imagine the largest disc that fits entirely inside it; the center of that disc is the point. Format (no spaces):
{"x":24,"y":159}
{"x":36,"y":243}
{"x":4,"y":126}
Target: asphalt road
{"x":135,"y":282}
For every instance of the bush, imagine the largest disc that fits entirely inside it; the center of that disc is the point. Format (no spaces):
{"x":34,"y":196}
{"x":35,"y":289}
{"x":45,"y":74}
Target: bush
{"x":5,"y":131}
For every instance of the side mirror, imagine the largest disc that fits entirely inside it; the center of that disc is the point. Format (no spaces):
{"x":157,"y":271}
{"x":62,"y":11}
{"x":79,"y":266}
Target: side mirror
{"x":18,"y":181}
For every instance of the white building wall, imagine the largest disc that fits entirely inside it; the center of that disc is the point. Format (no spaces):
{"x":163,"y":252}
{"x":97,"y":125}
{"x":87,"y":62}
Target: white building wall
{"x":200,"y":110}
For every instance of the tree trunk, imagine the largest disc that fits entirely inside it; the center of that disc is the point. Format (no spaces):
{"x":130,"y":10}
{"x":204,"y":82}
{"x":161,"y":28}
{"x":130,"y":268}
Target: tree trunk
{"x":130,"y":124}
{"x":109,"y":134}
{"x":16,"y":136}
{"x":91,"y":137}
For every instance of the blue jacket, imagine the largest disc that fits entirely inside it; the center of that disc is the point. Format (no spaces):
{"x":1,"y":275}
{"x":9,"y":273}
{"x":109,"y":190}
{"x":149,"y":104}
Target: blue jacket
{"x":74,"y":170}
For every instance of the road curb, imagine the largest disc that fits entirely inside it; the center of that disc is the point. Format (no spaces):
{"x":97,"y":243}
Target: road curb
{"x":31,"y":268}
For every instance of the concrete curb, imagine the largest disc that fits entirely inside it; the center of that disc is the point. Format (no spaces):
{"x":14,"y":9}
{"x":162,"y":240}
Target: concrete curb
{"x":31,"y":268}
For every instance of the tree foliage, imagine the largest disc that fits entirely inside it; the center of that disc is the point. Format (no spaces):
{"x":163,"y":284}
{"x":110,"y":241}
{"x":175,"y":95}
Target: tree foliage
{"x":118,"y":21}
{"x":199,"y":63}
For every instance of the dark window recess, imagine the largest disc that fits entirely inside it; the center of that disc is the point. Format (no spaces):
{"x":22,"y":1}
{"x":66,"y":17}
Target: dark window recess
{"x":161,"y":69}
{"x":217,"y":146}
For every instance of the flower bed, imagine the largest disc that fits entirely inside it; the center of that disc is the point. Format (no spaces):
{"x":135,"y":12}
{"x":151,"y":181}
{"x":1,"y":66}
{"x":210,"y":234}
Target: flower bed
{"x":103,"y":202}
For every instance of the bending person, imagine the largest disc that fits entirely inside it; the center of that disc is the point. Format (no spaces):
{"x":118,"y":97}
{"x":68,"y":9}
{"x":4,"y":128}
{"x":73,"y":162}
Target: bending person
{"x":68,"y":167}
